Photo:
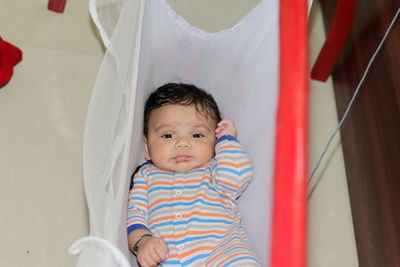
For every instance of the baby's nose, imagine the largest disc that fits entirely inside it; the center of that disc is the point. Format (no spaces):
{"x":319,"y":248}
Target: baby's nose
{"x":182,"y":143}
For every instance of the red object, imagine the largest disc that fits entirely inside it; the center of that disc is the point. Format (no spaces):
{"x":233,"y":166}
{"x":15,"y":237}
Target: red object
{"x":57,"y":5}
{"x":290,"y":180}
{"x":9,"y":57}
{"x":335,"y":41}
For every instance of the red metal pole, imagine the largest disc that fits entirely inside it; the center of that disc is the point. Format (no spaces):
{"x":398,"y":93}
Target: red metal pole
{"x":290,"y":181}
{"x":334,"y":44}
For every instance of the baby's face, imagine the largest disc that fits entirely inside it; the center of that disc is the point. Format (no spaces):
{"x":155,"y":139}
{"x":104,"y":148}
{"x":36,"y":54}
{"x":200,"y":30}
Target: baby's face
{"x":179,"y":138}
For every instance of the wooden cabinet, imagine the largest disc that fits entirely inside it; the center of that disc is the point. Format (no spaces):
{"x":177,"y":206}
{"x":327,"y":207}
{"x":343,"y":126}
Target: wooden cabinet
{"x":371,"y":133}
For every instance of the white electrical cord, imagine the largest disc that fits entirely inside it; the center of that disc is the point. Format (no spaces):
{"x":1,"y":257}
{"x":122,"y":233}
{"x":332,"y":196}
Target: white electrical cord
{"x":353,"y":98}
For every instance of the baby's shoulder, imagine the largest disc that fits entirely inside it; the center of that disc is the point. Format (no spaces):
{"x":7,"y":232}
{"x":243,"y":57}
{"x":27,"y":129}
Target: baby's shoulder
{"x":144,"y":169}
{"x":149,"y":169}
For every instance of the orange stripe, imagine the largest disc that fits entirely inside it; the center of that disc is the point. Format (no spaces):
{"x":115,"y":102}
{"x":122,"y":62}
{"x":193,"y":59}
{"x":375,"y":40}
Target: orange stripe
{"x":161,"y":219}
{"x":180,"y":182}
{"x":161,"y":200}
{"x":205,"y":178}
{"x":141,"y":204}
{"x":152,"y":169}
{"x":196,"y":250}
{"x":166,"y":218}
{"x":229,"y":184}
{"x":191,"y":233}
{"x":136,"y":187}
{"x":136,"y":220}
{"x":229,"y":146}
{"x":172,"y":256}
{"x":189,"y":198}
{"x":207,"y":214}
{"x":235,"y":165}
{"x":226,"y":249}
{"x":219,"y":254}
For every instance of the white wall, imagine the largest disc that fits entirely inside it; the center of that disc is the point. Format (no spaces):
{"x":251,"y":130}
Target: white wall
{"x":42,"y":116}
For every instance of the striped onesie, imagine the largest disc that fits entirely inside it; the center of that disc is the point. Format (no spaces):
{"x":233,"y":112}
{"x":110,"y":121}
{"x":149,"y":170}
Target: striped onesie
{"x":196,"y":213}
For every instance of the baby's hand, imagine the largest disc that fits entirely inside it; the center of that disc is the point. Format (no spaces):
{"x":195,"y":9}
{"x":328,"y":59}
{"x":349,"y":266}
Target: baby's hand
{"x":152,"y":250}
{"x":225,"y":127}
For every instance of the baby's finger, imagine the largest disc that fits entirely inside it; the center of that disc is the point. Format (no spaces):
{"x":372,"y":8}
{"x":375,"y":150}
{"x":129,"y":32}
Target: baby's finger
{"x":221,"y":126}
{"x":154,"y":256}
{"x":147,"y":262}
{"x":222,"y":123}
{"x":162,"y":253}
{"x":152,"y":262}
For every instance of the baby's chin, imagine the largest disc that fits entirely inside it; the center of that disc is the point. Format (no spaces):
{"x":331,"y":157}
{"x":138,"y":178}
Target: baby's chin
{"x":186,"y":167}
{"x":182,"y":167}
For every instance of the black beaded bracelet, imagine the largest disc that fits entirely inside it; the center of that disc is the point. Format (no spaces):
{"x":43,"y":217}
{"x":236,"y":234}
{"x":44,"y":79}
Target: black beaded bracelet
{"x":136,"y":246}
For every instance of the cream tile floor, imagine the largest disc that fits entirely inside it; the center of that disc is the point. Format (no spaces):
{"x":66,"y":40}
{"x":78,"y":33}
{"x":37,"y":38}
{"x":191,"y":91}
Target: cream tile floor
{"x":30,"y":23}
{"x":42,"y":116}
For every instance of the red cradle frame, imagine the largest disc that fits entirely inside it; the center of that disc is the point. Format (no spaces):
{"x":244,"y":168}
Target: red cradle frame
{"x":290,"y":180}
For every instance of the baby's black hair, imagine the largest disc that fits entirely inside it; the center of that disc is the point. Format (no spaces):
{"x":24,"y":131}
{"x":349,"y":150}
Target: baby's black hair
{"x":181,"y":94}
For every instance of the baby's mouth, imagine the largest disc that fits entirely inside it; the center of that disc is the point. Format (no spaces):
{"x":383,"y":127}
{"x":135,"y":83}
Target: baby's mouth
{"x":182,"y":158}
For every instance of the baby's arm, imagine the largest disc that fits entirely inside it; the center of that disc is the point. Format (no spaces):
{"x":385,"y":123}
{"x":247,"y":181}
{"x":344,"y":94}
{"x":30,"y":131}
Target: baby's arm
{"x":150,"y":250}
{"x":225,"y":127}
{"x":233,"y":170}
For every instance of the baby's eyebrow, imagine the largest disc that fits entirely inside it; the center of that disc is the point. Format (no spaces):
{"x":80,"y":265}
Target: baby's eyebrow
{"x":201,"y":127}
{"x":161,"y":127}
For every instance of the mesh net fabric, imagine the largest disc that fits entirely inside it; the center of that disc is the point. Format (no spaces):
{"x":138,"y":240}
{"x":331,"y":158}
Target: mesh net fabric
{"x":149,"y":44}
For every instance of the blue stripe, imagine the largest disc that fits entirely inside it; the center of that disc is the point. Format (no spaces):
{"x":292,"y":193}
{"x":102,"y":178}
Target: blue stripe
{"x":177,"y":173}
{"x":226,"y":137}
{"x":136,"y":216}
{"x":169,"y":188}
{"x":156,"y":188}
{"x":194,"y":171}
{"x":227,"y":242}
{"x":234,"y":171}
{"x":169,"y":205}
{"x":188,"y":221}
{"x":138,"y":182}
{"x":160,"y":172}
{"x":170,"y":262}
{"x":239,"y":246}
{"x":207,"y":236}
{"x":227,"y":187}
{"x":140,"y":198}
{"x":134,"y":227}
{"x":198,"y":257}
{"x":136,"y":208}
{"x":240,"y":258}
{"x":190,"y":261}
{"x":225,"y":151}
{"x":189,"y":239}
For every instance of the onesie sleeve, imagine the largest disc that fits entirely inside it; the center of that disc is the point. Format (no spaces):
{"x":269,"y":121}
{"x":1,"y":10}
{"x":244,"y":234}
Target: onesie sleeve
{"x":137,"y":203}
{"x":232,"y":170}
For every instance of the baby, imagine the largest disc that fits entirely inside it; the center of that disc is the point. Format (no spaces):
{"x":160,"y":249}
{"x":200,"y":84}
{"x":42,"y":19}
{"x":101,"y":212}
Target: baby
{"x":183,"y":205}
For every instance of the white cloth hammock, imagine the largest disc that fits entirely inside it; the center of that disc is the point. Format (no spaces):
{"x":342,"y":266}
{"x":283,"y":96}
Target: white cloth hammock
{"x":148,"y":44}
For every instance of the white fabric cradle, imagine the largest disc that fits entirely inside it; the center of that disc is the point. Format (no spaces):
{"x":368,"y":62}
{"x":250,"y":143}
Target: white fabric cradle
{"x":148,"y":44}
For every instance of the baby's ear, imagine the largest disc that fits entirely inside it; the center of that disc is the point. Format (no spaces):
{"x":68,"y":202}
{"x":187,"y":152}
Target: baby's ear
{"x":146,"y":149}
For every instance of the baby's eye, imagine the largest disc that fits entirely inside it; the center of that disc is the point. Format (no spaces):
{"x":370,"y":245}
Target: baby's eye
{"x":167,"y":136}
{"x":198,"y":135}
